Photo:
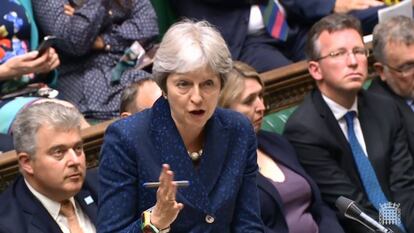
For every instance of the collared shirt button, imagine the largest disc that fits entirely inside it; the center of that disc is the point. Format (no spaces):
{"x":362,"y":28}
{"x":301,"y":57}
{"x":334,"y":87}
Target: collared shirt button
{"x":209,"y":218}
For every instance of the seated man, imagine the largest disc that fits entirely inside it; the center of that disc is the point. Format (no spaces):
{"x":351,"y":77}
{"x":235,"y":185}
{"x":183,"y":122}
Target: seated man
{"x":351,"y":142}
{"x":51,"y":196}
{"x":243,"y":28}
{"x":393,"y":46}
{"x":139,"y":96}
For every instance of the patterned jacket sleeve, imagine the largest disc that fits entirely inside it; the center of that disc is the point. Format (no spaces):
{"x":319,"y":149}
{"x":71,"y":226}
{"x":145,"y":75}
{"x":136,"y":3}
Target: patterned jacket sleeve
{"x":78,"y":32}
{"x":142,"y":25}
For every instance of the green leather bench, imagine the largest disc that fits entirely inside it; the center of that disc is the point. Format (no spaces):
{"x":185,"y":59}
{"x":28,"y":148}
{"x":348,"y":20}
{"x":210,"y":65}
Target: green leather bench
{"x":275,"y":122}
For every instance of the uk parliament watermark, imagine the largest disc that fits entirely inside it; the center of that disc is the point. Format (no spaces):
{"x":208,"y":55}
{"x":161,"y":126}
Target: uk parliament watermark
{"x":390,"y":213}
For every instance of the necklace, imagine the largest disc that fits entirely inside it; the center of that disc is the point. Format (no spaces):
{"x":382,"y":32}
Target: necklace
{"x":196,"y":155}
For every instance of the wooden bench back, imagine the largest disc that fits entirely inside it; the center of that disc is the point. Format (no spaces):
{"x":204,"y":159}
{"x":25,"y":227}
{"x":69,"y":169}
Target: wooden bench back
{"x":284,"y":87}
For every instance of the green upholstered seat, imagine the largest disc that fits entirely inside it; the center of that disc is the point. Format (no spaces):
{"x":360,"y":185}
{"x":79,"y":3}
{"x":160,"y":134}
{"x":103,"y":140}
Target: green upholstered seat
{"x":165,"y":14}
{"x":275,"y":122}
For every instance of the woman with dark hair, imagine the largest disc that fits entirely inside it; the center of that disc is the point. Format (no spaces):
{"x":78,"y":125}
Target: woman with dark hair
{"x":290,"y":201}
{"x":94,"y":35}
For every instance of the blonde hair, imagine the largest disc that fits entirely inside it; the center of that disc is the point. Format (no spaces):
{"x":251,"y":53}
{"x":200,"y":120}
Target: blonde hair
{"x":235,"y":86}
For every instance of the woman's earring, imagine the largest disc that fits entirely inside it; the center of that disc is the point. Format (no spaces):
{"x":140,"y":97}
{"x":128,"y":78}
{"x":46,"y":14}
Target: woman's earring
{"x":164,"y":95}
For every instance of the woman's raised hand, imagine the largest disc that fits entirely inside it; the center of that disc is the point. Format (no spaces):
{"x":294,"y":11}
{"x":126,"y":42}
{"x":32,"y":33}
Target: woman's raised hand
{"x":167,"y":208}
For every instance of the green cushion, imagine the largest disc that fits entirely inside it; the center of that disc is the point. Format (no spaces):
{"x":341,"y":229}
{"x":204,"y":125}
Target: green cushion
{"x":165,"y":14}
{"x":367,"y":84}
{"x":275,"y":122}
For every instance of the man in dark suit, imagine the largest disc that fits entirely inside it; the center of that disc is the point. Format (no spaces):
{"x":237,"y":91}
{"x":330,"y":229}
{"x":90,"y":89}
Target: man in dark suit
{"x":350,"y":141}
{"x":241,"y":24}
{"x":393,"y":46}
{"x":51,"y":195}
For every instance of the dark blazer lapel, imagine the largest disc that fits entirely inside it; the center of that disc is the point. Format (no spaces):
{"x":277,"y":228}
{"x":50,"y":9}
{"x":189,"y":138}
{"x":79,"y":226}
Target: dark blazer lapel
{"x":273,"y":147}
{"x":171,"y":150}
{"x":408,"y":119}
{"x":373,"y":137}
{"x":38,"y":217}
{"x":406,"y":110}
{"x":330,"y":120}
{"x":88,"y":204}
{"x":331,"y":126}
{"x":269,"y":188}
{"x":215,"y":146}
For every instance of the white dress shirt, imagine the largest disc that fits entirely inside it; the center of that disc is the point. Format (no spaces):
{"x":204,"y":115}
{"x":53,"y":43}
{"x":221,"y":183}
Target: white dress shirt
{"x":53,"y":208}
{"x":339,"y":112}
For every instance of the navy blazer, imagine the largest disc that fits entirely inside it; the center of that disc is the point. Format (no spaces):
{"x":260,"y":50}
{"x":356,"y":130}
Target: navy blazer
{"x":22,"y":212}
{"x":407,"y":114}
{"x":325,"y":153}
{"x":281,"y":151}
{"x":222,"y":196}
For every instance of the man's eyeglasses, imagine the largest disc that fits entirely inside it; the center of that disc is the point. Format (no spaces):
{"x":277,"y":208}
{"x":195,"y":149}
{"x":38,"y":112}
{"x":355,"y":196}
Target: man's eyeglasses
{"x":342,"y":54}
{"x":405,"y":70}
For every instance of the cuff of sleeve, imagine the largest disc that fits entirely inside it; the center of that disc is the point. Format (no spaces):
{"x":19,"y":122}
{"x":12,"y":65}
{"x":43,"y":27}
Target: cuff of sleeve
{"x":147,"y":226}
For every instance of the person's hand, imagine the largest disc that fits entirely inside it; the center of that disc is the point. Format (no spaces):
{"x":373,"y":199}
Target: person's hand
{"x":29,"y":63}
{"x":68,"y":10}
{"x":51,"y":63}
{"x":167,"y":208}
{"x":98,"y":44}
{"x":344,"y":6}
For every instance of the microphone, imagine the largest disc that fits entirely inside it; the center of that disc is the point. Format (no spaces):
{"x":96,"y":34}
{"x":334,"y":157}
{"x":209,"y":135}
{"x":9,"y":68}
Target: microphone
{"x":350,"y":210}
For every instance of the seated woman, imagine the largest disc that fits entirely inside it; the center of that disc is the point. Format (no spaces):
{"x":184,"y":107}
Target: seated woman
{"x":19,"y":66}
{"x":21,"y":69}
{"x":94,"y":34}
{"x":213,"y":148}
{"x":290,"y":201}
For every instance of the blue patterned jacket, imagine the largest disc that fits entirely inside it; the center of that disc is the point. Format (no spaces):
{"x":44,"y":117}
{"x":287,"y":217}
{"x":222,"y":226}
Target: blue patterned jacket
{"x":222,"y":196}
{"x":85,"y":74}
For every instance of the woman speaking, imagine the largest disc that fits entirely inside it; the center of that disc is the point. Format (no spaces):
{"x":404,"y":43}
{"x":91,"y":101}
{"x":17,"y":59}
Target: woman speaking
{"x":183,"y":137}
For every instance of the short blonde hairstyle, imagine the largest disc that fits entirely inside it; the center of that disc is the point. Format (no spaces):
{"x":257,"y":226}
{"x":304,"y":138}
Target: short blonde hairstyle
{"x":187,"y":46}
{"x":235,"y":86}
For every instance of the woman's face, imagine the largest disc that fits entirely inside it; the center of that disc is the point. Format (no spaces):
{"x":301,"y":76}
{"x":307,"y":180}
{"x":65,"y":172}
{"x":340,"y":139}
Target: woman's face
{"x":251,"y":102}
{"x":193,"y":97}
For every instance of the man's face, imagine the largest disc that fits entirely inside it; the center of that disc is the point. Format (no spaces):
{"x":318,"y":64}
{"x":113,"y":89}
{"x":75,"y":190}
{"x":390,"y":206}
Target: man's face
{"x":345,"y":70}
{"x":148,"y":93}
{"x":57,"y":170}
{"x":398,"y":73}
{"x":193,"y":97}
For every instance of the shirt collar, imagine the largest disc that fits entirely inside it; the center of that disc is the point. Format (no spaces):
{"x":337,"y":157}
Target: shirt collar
{"x":51,"y":206}
{"x":338,"y":110}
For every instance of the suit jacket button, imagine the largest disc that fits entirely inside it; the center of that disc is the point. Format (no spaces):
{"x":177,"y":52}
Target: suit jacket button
{"x":209,"y":218}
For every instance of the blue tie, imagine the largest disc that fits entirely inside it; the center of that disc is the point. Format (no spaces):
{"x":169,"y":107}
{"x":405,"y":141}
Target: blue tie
{"x":366,"y":171}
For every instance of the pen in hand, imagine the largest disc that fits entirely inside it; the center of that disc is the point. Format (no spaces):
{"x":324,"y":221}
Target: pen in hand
{"x":179,"y":183}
